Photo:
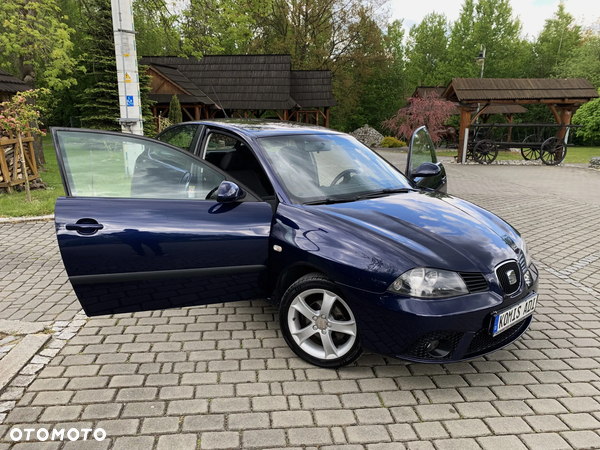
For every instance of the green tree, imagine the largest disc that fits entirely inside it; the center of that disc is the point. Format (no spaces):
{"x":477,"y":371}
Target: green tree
{"x":584,"y":61}
{"x":489,"y":23}
{"x":589,"y":116}
{"x":427,"y":51}
{"x":219,"y":26}
{"x":362,"y":76}
{"x":175,"y":111}
{"x":35,"y":43}
{"x":157,"y":28}
{"x":556,"y":42}
{"x":98,"y":94}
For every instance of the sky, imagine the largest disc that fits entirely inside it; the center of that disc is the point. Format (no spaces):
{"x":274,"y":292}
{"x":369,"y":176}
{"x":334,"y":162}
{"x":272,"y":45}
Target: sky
{"x":533,"y":13}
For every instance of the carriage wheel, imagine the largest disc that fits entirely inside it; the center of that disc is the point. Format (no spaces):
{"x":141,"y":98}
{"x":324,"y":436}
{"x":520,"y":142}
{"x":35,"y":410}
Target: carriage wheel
{"x":531,"y":153}
{"x":553,"y":151}
{"x":485,"y":152}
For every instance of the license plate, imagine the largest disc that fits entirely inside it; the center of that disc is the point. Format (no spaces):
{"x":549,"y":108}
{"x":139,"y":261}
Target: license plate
{"x":505,"y":319}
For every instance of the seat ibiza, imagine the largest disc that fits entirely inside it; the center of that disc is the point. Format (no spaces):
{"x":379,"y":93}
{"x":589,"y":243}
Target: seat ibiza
{"x":356,"y":254}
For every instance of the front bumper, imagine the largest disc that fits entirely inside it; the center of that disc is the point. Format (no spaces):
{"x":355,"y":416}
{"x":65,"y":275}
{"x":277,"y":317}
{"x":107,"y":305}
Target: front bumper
{"x":402,"y":327}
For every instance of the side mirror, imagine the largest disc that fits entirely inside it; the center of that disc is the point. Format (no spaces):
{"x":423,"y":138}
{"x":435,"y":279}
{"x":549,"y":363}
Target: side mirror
{"x":427,"y":169}
{"x":229,"y":192}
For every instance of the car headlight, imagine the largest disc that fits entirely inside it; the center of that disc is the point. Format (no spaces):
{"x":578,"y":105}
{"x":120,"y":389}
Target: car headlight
{"x":525,"y":251}
{"x":424,"y":282}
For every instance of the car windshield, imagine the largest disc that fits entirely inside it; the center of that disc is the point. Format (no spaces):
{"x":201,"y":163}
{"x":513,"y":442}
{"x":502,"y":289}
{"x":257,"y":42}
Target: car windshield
{"x":329,"y":168}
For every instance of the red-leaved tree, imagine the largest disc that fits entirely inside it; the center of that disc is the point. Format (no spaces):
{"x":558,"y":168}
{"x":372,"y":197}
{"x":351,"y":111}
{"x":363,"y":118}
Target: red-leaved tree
{"x":430,"y":110}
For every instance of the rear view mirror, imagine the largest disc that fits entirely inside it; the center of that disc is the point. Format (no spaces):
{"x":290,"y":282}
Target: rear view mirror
{"x":426,"y":169}
{"x":229,"y":192}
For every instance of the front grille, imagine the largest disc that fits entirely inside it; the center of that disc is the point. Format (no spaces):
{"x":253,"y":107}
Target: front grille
{"x":418,"y":349}
{"x":522,"y":262}
{"x":475,"y":281}
{"x":483,"y":340}
{"x":501,"y":273}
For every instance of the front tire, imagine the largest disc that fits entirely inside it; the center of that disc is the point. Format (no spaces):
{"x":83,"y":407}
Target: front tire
{"x":318,"y":324}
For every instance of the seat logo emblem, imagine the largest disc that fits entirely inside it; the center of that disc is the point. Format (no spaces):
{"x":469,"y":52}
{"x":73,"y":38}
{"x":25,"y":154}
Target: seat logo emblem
{"x":512,"y":277}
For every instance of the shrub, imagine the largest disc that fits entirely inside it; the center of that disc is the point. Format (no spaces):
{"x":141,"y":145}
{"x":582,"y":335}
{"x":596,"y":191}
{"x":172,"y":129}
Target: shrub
{"x":392,"y":142}
{"x":430,"y":110}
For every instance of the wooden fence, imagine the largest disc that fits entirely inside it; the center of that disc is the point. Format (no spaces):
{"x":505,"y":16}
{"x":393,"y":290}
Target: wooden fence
{"x":11,"y":170}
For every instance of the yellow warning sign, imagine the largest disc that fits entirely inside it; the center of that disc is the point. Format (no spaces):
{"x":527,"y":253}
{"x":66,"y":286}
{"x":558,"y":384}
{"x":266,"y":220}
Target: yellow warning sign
{"x":127,"y":78}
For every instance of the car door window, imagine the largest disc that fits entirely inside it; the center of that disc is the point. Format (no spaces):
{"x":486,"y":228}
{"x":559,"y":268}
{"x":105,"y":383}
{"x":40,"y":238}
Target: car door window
{"x":421,"y":150}
{"x":123,"y":165}
{"x":180,"y":136}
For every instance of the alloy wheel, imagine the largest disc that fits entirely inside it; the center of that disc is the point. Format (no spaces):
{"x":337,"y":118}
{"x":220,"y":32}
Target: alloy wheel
{"x":322,"y":324}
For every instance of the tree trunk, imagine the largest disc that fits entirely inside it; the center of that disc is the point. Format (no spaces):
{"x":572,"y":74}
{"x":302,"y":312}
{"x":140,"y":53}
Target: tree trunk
{"x":38,"y":149}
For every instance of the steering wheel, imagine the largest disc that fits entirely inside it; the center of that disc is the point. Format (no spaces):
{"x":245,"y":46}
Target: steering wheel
{"x":209,"y":195}
{"x":345,"y":175}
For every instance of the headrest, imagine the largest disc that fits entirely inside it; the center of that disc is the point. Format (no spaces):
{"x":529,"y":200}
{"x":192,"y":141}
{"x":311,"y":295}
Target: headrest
{"x":232,"y":161}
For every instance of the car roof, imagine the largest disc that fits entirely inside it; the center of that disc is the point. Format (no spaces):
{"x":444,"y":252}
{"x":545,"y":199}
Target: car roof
{"x":264,"y":127}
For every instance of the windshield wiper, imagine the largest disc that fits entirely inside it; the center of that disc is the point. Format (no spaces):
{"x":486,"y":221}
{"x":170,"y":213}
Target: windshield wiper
{"x":383,"y":192}
{"x":380,"y":193}
{"x":330,"y":201}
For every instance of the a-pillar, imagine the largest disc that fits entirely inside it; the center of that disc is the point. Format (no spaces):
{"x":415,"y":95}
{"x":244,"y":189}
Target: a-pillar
{"x":465,"y":122}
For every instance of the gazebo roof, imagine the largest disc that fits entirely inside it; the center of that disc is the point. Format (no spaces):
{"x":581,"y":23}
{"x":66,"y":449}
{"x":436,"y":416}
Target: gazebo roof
{"x":252,"y":82}
{"x":10,"y":84}
{"x":422,"y":91}
{"x":520,"y":90}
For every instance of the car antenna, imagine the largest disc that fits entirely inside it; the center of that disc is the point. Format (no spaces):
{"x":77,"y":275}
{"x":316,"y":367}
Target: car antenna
{"x":219,"y":102}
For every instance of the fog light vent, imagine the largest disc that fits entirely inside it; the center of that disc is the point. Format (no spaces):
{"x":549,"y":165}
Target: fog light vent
{"x":439,"y":348}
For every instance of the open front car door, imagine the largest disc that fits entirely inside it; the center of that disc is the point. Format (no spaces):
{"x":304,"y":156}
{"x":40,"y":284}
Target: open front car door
{"x":141,"y":229}
{"x":422,"y":165}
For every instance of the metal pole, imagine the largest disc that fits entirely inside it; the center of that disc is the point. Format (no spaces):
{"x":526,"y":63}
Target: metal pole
{"x":465,"y":143}
{"x":127,"y":67}
{"x":482,"y":64}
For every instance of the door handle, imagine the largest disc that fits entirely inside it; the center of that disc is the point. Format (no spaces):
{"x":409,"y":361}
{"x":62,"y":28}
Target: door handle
{"x":85,"y":226}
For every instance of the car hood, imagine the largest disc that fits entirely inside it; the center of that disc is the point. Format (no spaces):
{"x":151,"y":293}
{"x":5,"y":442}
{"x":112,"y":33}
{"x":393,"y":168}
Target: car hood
{"x":431,"y":229}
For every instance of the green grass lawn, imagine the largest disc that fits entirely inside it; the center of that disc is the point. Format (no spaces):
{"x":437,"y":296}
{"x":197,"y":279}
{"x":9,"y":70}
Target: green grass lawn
{"x":575,"y":155}
{"x":42,"y":201}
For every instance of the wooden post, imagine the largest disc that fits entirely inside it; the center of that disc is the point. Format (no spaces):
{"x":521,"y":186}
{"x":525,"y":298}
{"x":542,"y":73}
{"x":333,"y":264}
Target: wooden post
{"x":327,"y":117}
{"x":565,"y":119}
{"x":23,"y":166}
{"x":4,"y":169}
{"x":285,"y":114}
{"x":465,"y":121}
{"x":509,"y":135}
{"x":197,"y":112}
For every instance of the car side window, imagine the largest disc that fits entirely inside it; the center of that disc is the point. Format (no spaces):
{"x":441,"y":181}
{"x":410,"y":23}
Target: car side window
{"x":421,"y":149}
{"x":109,"y":165}
{"x":180,"y":136}
{"x":217,"y":146}
{"x":235,"y":158}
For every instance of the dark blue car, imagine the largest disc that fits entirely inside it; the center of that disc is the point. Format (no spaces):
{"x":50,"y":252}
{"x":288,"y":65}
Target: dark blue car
{"x":355,"y":253}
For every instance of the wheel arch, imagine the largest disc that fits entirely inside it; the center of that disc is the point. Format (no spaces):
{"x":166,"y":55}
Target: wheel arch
{"x":291,"y":274}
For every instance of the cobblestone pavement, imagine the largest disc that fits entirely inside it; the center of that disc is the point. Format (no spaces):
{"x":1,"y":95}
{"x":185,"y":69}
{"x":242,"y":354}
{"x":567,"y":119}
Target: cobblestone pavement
{"x":221,"y":377}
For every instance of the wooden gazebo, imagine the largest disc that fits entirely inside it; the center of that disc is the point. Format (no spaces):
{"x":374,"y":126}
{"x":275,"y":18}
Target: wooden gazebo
{"x":240,"y":86}
{"x":563,"y":97}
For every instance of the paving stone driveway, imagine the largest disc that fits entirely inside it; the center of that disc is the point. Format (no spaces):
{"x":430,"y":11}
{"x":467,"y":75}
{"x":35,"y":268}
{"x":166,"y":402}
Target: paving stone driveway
{"x":221,"y":377}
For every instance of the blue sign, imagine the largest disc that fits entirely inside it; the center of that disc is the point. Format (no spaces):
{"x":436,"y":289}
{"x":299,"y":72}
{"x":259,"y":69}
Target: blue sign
{"x":130,"y":100}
